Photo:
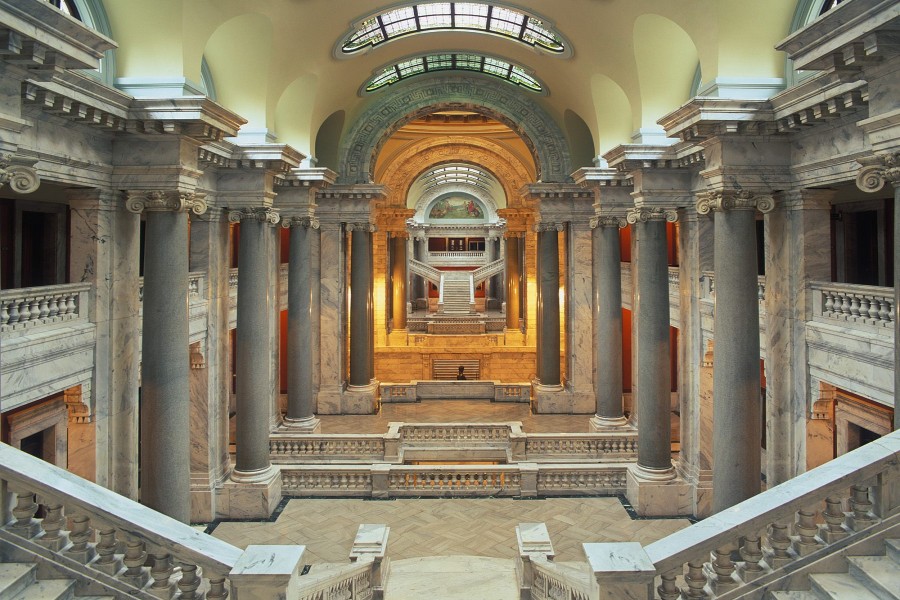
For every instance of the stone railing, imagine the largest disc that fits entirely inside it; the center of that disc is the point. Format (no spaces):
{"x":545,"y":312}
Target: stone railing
{"x":467,"y":259}
{"x":777,"y":534}
{"x":488,"y":270}
{"x":28,"y":308}
{"x":856,"y":304}
{"x":458,"y":254}
{"x":384,"y":480}
{"x":453,"y":433}
{"x":289,"y":448}
{"x":428,"y":272}
{"x":196,"y":286}
{"x":708,"y":286}
{"x":349,"y":582}
{"x":550,"y":582}
{"x":122,"y":548}
{"x":581,"y":446}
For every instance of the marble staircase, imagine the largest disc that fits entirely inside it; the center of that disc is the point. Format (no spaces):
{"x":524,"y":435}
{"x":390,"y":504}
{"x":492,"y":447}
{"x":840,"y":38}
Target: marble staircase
{"x":865,"y":578}
{"x":457,"y":294}
{"x":20,"y":581}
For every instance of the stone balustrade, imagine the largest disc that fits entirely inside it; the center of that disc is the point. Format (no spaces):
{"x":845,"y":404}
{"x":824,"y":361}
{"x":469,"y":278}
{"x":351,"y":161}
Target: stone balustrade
{"x":853,"y":304}
{"x":708,"y":288}
{"x":25,"y":309}
{"x":468,"y":258}
{"x":350,"y":582}
{"x":581,"y":446}
{"x":385,"y":480}
{"x":196,"y":287}
{"x":288,"y":448}
{"x":128,"y":550}
{"x":763,"y":543}
{"x":550,"y":582}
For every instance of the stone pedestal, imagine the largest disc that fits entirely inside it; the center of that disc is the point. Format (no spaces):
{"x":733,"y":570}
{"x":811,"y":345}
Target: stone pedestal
{"x":658,"y":494}
{"x":360,"y":400}
{"x":250,"y":496}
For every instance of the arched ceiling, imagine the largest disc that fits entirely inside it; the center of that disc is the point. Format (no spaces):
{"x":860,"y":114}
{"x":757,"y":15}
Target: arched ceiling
{"x":274,"y":61}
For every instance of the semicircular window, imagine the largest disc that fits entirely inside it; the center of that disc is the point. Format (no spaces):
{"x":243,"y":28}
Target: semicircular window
{"x":464,"y":174}
{"x":465,"y":16}
{"x":453,"y":61}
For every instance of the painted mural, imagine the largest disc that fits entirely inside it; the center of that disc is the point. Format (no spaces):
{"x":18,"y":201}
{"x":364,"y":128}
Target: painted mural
{"x":456,"y":208}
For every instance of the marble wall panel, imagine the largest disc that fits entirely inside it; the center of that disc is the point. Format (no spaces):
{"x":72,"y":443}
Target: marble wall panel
{"x":579,"y":314}
{"x":331,"y":320}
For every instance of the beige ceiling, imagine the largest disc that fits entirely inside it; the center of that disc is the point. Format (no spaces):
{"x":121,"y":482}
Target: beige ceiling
{"x":273,"y":61}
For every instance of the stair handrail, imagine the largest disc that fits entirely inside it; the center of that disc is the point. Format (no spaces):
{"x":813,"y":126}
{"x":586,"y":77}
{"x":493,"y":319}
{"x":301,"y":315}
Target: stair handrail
{"x":546,"y":574}
{"x":424,"y":270}
{"x":488,"y":270}
{"x":868,"y":472}
{"x":471,"y":291}
{"x":352,"y":581}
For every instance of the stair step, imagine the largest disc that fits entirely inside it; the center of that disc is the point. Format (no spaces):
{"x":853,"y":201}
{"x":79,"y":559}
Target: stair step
{"x":15,"y":577}
{"x":49,"y":589}
{"x":878,"y":573}
{"x":840,"y":586}
{"x":793,"y":595}
{"x":893,"y":550}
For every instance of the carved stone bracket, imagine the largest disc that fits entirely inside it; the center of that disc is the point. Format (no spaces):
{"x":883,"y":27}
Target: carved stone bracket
{"x":608,"y":221}
{"x":720,"y":201}
{"x":160,"y":201}
{"x":261,"y":214}
{"x":21,"y":178}
{"x":642,"y":215}
{"x":308,"y":222}
{"x":79,"y":412}
{"x":549,"y":226}
{"x":878,"y":170}
{"x":370,"y":227}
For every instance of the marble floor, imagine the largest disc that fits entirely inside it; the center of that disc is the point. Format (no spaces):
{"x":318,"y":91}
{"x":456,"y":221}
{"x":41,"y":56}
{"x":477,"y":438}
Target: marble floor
{"x":447,"y":527}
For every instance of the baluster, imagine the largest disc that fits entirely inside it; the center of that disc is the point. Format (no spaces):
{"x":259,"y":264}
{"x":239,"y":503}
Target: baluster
{"x":861,"y":506}
{"x":44,"y":309}
{"x":780,"y":541}
{"x":890,"y":312}
{"x":14,"y":315}
{"x":25,"y":311}
{"x":35,"y":308}
{"x":81,"y":550}
{"x":53,"y":307}
{"x":806,"y":529}
{"x":828,"y":309}
{"x":864,"y":308}
{"x":695,"y":580}
{"x":833,"y":529}
{"x":854,"y":305}
{"x":722,"y":571}
{"x":845,"y":304}
{"x":4,"y":312}
{"x":218,"y":590}
{"x":71,"y":305}
{"x":136,"y":574}
{"x":752,"y":554}
{"x":107,"y":560}
{"x":879,"y":309}
{"x":63,"y":305}
{"x":52,"y":524}
{"x":161,"y":572}
{"x":668,"y":590}
{"x":25,"y":526}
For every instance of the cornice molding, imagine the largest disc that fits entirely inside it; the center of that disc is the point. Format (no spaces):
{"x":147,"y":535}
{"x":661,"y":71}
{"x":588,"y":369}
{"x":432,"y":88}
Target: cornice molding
{"x":702,"y":118}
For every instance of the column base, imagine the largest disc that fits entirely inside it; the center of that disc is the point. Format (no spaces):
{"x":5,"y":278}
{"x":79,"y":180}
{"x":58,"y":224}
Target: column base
{"x":304,"y":425}
{"x":360,"y":399}
{"x":250,"y":495}
{"x":599,"y":423}
{"x":559,"y":399}
{"x":658,"y":493}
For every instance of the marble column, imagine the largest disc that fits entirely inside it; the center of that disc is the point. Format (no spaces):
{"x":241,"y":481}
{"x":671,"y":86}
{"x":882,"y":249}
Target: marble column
{"x":420,"y":245}
{"x":798,"y":251}
{"x":653,"y":365}
{"x":360,"y":292}
{"x":607,"y":322}
{"x":165,"y":356}
{"x":876,"y":171}
{"x":490,"y":256}
{"x":513,"y":281}
{"x":548,"y":305}
{"x":398,"y":280}
{"x":255,"y":308}
{"x":301,"y":394}
{"x":736,"y":384}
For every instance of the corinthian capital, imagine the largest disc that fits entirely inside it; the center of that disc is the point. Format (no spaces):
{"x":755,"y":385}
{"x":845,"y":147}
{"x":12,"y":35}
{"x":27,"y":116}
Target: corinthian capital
{"x":260,"y":214}
{"x":307,"y":222}
{"x":160,"y":201}
{"x":721,"y":201}
{"x":642,"y":215}
{"x":21,"y":178}
{"x":878,"y":170}
{"x":608,"y":221}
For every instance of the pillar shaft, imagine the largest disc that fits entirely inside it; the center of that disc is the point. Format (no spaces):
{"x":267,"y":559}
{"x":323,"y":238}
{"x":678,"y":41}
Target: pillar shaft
{"x":607,"y":313}
{"x":896,"y":303}
{"x":513,"y":280}
{"x":736,"y":390}
{"x":165,"y":370}
{"x":548,"y":307}
{"x":653,"y":375}
{"x":301,"y":397}
{"x":360,"y":275}
{"x":398,"y":282}
{"x":254,"y":309}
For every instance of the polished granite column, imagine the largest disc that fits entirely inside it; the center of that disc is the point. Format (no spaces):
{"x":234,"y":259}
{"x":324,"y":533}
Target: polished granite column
{"x":254,"y":309}
{"x":548,"y":305}
{"x":653,"y":374}
{"x":360,"y":289}
{"x":607,"y":322}
{"x":165,"y":356}
{"x":301,"y":393}
{"x":736,"y":382}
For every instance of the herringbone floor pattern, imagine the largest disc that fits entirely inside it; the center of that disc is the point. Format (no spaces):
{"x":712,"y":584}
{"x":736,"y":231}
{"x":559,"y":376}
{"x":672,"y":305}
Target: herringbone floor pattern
{"x":444,"y":527}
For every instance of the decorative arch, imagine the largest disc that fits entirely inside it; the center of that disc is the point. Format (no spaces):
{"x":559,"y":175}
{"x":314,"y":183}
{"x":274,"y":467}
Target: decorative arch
{"x":417,"y":158}
{"x":386,"y":115}
{"x":423,"y":205}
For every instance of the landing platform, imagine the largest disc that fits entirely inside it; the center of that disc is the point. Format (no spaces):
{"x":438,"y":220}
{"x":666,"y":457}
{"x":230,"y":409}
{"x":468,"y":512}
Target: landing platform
{"x":452,"y":577}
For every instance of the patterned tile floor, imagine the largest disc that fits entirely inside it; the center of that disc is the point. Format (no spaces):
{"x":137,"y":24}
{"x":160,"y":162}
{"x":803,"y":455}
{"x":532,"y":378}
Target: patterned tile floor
{"x":445,"y":527}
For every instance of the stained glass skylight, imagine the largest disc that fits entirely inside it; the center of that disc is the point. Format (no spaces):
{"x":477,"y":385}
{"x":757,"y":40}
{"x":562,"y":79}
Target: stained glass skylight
{"x":465,"y":174}
{"x":454,"y":61}
{"x":467,"y":16}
